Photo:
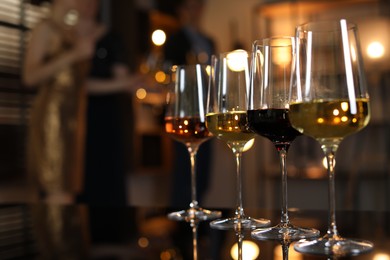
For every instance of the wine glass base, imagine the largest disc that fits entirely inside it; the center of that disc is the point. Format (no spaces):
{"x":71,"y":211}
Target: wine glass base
{"x":241,"y":223}
{"x":334,"y":246}
{"x":194,"y":214}
{"x":284,"y":232}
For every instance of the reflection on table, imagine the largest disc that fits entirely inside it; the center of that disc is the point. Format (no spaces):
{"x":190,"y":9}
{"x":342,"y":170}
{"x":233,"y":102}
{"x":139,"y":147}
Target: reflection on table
{"x":39,"y":231}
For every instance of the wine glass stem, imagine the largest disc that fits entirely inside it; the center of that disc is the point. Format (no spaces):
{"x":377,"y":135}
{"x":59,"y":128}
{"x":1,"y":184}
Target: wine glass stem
{"x":285,"y":247}
{"x":192,"y":151}
{"x":240,"y":241}
{"x":330,"y":159}
{"x":239,"y":210}
{"x":194,"y":226}
{"x":283,"y":160}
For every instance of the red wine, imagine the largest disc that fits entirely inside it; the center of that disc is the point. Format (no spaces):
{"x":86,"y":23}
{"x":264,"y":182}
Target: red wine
{"x":188,"y":130}
{"x":273,"y":124}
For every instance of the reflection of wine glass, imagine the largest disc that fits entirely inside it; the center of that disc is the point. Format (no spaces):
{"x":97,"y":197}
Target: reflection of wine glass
{"x":283,"y":251}
{"x":243,"y":248}
{"x":185,"y":122}
{"x":194,"y":227}
{"x":227,"y":120}
{"x":329,"y":101}
{"x":268,"y":116}
{"x":237,"y":248}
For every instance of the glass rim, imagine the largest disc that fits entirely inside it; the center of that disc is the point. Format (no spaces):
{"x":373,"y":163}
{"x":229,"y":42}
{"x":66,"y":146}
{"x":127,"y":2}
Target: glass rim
{"x":279,"y":41}
{"x":177,"y":67}
{"x":325,"y":26}
{"x":226,"y":53}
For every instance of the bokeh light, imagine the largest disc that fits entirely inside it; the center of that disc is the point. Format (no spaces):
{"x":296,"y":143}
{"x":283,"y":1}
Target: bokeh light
{"x":141,"y":93}
{"x":237,"y":60}
{"x":158,"y":37}
{"x":375,"y":50}
{"x":250,"y":250}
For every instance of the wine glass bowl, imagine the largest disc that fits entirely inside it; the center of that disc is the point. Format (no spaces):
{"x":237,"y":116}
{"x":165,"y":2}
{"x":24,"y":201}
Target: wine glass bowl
{"x":190,"y":131}
{"x":329,"y":101}
{"x":226,"y":118}
{"x":268,"y":116}
{"x":185,"y":123}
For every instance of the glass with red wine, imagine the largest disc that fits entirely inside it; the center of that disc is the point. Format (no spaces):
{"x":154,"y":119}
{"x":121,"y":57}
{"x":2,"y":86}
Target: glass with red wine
{"x":268,"y":116}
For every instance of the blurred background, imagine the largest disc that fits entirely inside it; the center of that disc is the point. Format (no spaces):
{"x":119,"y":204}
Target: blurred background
{"x":363,"y":160}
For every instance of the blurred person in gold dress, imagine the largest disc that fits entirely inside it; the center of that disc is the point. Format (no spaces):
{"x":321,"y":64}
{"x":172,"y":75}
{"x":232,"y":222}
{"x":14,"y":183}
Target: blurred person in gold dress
{"x":57,"y":62}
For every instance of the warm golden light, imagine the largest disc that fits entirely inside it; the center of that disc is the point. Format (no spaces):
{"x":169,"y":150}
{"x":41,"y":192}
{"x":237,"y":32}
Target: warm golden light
{"x":237,"y":60}
{"x":381,"y":256}
{"x":143,"y":242}
{"x":344,"y":106}
{"x":248,"y":145}
{"x":375,"y":50}
{"x":292,"y":254}
{"x":208,"y":70}
{"x":160,"y":76}
{"x":141,"y":93}
{"x":250,"y":250}
{"x":282,"y":56}
{"x":158,"y":37}
{"x":353,"y":53}
{"x":168,"y":254}
{"x":325,"y":163}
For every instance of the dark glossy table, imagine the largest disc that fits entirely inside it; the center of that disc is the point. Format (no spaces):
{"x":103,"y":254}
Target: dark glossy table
{"x":41,"y":231}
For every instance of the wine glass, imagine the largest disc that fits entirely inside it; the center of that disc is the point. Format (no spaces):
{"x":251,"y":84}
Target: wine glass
{"x":329,"y":101}
{"x":268,"y":115}
{"x":226,"y":118}
{"x":185,"y":122}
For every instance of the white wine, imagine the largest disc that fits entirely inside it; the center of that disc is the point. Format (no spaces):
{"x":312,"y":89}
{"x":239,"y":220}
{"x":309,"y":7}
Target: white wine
{"x":231,"y":127}
{"x":329,"y":120}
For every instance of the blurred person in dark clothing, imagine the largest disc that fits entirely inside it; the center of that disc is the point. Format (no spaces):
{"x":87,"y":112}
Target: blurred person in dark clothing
{"x":110,"y":87}
{"x":189,"y":45}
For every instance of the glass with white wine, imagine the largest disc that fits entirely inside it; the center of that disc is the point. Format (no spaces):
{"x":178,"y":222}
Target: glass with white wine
{"x":226,"y":118}
{"x":329,"y":101}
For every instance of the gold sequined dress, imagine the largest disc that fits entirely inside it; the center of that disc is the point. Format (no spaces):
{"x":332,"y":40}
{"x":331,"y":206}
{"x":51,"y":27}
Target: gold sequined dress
{"x":56,"y":130}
